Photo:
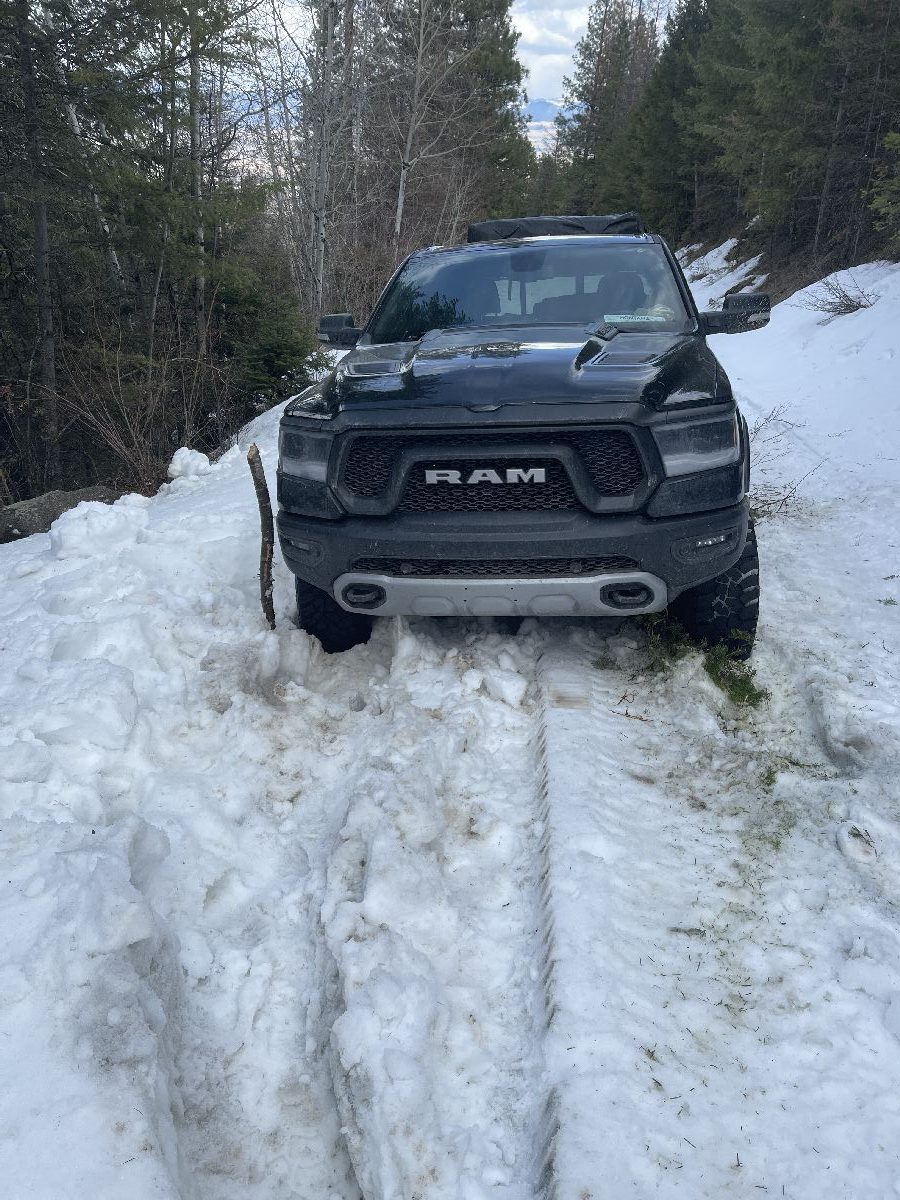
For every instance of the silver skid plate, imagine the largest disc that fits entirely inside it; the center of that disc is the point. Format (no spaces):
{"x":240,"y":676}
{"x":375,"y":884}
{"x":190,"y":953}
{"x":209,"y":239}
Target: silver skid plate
{"x":556,"y":596}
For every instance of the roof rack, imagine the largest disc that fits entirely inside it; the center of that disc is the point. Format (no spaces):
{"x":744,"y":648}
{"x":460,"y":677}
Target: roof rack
{"x":525,"y":227}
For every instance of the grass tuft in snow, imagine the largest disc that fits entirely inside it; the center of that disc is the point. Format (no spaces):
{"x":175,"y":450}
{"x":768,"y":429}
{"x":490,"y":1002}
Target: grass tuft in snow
{"x":737,"y":679}
{"x":769,"y":777}
{"x":668,"y":643}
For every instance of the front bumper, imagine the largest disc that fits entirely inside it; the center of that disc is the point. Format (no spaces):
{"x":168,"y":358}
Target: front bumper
{"x":667,"y":556}
{"x":619,"y":593}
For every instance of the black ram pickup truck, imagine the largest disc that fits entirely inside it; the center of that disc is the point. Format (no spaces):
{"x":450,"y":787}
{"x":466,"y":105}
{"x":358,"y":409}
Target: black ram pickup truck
{"x":531,"y":424}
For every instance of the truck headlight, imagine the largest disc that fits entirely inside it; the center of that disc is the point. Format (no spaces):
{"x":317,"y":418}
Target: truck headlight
{"x":312,"y":403}
{"x":699,"y":445}
{"x":303,"y":454}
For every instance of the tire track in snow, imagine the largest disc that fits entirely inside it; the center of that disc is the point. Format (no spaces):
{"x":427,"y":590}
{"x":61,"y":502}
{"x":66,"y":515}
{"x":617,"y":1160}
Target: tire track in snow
{"x":432,"y":917}
{"x":707,"y":1036}
{"x":243,"y":888}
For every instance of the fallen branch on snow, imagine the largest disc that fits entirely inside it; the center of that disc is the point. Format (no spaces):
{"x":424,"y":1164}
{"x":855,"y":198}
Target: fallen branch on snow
{"x":267,"y":529}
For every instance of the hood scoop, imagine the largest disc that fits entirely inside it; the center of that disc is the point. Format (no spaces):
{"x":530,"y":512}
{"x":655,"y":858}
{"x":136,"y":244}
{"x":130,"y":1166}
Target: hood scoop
{"x":595,"y":347}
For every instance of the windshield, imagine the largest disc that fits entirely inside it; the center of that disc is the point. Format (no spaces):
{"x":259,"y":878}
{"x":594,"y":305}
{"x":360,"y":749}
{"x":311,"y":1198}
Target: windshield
{"x":569,"y":283}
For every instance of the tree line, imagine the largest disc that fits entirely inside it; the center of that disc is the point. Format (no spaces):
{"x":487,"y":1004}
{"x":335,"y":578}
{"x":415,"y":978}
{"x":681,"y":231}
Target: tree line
{"x":189,"y":184}
{"x":783,"y":113}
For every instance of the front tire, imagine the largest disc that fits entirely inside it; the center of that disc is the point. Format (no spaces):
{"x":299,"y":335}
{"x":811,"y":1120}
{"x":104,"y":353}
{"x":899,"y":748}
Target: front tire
{"x":725,"y":610}
{"x":320,"y":615}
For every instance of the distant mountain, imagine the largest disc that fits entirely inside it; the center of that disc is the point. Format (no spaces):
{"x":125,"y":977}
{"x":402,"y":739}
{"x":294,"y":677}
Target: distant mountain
{"x":543,"y":110}
{"x":542,"y":116}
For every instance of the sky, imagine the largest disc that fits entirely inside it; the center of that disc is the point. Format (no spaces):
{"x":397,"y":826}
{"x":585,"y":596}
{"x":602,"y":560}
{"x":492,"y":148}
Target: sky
{"x":548,"y":42}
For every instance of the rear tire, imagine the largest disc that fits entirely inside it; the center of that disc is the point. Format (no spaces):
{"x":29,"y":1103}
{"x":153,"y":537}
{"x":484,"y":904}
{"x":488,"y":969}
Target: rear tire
{"x":320,"y":615}
{"x":725,"y":610}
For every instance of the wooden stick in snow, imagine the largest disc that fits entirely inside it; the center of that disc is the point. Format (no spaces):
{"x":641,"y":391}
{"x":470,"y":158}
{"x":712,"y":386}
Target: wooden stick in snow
{"x":267,"y":528}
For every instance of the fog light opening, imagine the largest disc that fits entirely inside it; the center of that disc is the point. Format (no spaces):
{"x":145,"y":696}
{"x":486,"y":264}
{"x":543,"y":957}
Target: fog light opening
{"x":710,"y":546}
{"x":627,"y":596}
{"x":364,"y":595}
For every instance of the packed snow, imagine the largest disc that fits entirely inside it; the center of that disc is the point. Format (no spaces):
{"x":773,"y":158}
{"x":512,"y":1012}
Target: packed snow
{"x":462,"y":914}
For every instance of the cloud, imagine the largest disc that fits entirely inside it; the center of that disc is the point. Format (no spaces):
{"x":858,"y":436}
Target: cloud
{"x":547,"y":42}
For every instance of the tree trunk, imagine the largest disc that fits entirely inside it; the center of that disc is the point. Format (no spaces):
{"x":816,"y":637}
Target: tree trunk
{"x":874,"y":131}
{"x":194,"y":105}
{"x":406,"y":162}
{"x":113,"y":265}
{"x":267,"y":534}
{"x":302,"y":244}
{"x":829,"y":165}
{"x":168,"y":100}
{"x":286,"y":203}
{"x":323,"y":153}
{"x":48,"y":415}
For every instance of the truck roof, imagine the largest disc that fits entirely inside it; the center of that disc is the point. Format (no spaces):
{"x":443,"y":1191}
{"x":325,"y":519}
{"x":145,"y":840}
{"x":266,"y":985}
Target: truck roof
{"x":503,"y":228}
{"x":619,"y":239}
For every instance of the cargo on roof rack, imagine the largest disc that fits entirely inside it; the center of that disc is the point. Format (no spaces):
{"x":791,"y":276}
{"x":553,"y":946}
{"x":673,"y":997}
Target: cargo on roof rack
{"x":525,"y":227}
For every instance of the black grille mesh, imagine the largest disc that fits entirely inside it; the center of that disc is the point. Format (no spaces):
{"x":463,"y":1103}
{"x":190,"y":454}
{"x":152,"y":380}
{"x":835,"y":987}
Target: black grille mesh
{"x":609,"y":455}
{"x":480,"y":568}
{"x":418,"y":496}
{"x":369,"y":465}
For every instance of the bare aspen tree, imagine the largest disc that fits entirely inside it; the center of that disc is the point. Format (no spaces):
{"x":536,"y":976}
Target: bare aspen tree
{"x":167,"y":147}
{"x":428,"y":103}
{"x":41,"y":230}
{"x":196,"y":168}
{"x":117,"y":279}
{"x":279,"y":158}
{"x":292,"y":162}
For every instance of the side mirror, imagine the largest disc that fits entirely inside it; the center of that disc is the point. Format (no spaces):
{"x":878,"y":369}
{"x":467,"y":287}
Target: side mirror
{"x":740,"y":312}
{"x":338,"y":330}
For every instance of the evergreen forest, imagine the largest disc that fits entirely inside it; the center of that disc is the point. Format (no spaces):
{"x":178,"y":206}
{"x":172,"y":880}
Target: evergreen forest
{"x":187,"y":186}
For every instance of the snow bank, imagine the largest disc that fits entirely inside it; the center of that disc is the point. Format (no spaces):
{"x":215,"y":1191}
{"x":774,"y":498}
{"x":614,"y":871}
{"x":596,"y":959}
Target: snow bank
{"x":87,"y":1102}
{"x":160,"y":1037}
{"x":188,"y":464}
{"x":833,"y":380}
{"x":81,"y":531}
{"x":719,"y":271}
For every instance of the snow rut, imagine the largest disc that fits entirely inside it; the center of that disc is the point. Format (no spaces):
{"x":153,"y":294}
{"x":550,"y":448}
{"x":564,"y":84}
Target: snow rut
{"x":698,"y":1046}
{"x":636,"y":974}
{"x":431,"y":914}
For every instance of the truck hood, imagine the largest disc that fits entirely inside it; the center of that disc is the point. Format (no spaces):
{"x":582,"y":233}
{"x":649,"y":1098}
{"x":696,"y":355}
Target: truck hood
{"x":486,"y":369}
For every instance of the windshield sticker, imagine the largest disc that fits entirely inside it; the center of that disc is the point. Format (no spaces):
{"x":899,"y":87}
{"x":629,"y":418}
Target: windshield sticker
{"x":625,"y":318}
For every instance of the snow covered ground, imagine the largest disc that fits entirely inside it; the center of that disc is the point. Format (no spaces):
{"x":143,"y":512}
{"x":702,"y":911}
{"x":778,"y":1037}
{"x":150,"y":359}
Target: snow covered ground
{"x":460,"y":914}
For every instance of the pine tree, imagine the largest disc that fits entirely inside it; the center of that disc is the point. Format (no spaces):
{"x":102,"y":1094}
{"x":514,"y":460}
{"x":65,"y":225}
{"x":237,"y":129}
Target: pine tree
{"x":885,"y":195}
{"x":131,"y":271}
{"x":188,"y":184}
{"x":716,"y":117}
{"x":505,"y":157}
{"x":655,"y":168}
{"x":612,"y":63}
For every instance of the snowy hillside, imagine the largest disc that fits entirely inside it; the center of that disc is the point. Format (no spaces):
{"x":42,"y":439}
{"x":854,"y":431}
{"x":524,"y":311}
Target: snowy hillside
{"x":460,"y":914}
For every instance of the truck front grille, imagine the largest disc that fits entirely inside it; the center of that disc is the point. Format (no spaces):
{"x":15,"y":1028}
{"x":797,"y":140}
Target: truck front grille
{"x":609,"y":457}
{"x":418,"y":496}
{"x":482,"y":568}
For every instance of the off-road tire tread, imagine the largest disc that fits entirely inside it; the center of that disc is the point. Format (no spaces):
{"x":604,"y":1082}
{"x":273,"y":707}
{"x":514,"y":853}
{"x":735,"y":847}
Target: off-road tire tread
{"x":725,"y":610}
{"x":320,"y":615}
